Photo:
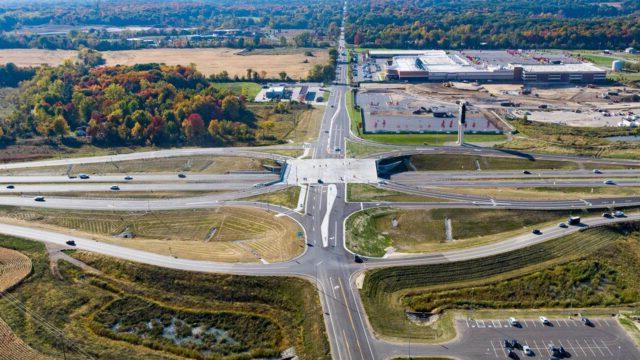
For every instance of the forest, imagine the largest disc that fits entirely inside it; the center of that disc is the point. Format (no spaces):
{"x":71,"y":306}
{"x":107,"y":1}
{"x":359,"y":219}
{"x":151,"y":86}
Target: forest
{"x":477,"y":24}
{"x":147,"y":104}
{"x":162,"y":20}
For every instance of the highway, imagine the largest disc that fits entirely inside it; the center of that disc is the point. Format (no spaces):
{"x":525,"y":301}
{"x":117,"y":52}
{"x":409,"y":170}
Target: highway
{"x":325,"y":262}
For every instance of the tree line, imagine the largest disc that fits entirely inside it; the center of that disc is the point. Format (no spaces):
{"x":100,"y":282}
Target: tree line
{"x":565,"y":24}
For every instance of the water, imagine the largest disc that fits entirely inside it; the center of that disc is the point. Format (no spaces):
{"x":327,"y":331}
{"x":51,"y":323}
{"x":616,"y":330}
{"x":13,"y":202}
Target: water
{"x":630,"y":138}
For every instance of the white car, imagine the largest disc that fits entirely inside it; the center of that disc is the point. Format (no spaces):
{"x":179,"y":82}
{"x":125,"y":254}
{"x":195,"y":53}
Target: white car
{"x":527,"y":350}
{"x":513,"y":321}
{"x":544,"y":320}
{"x":609,"y":182}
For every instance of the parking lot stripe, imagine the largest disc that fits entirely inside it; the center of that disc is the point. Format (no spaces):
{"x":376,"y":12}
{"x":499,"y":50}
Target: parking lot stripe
{"x":546,"y":346}
{"x":536,"y":346}
{"x":589,"y":347}
{"x":606,"y":347}
{"x":565,"y":322}
{"x":579,"y":347}
{"x":496,"y":323}
{"x":573,"y":350}
{"x":480,"y":323}
{"x":494,"y":349}
{"x":597,"y":347}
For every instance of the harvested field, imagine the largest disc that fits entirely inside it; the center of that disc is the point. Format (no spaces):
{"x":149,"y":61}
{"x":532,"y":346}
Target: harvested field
{"x":207,"y":61}
{"x":14,"y":266}
{"x":229,"y":234}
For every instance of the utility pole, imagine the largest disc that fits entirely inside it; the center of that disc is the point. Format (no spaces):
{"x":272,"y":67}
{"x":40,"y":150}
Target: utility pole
{"x":462,"y":121}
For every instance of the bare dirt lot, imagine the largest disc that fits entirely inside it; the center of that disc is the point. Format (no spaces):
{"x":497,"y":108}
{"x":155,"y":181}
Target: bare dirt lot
{"x":208,"y":61}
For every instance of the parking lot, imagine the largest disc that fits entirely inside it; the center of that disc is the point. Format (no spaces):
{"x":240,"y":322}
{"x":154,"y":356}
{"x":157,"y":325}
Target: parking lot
{"x":484,"y":339}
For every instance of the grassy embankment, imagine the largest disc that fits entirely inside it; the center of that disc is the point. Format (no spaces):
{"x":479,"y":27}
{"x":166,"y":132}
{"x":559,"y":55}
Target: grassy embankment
{"x":594,"y":268}
{"x":371,"y":193}
{"x":605,"y":61}
{"x":249,"y":89}
{"x":229,"y":234}
{"x":370,"y":232}
{"x":123,"y":312}
{"x":546,"y":193}
{"x":450,"y":162}
{"x":185,"y":164}
{"x":411,"y":139}
{"x":559,"y":139}
{"x":286,"y":197}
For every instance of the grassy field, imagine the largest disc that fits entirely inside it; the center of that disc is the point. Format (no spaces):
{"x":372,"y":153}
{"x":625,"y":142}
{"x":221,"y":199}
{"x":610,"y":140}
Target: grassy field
{"x":287,"y":197}
{"x":547,"y":193}
{"x":186,"y":164}
{"x":370,"y":193}
{"x":558,"y":139}
{"x":596,"y":267}
{"x":355,"y":115}
{"x":105,"y":316}
{"x":449,"y":162}
{"x":307,"y":125}
{"x":246,"y":88}
{"x":229,"y":234}
{"x":370,"y":232}
{"x":358,"y":149}
{"x":431,"y":139}
{"x":207,"y":60}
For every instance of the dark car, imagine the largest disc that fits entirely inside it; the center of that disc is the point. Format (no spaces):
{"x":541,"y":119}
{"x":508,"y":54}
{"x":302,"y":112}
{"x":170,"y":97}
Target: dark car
{"x":10,"y":187}
{"x":586,"y":322}
{"x":38,"y":198}
{"x":128,"y":178}
{"x":71,"y":243}
{"x":182,"y":176}
{"x":84,"y":176}
{"x":358,"y":259}
{"x":537,"y":232}
{"x":320,"y":181}
{"x":115,"y":188}
{"x":526,"y":172}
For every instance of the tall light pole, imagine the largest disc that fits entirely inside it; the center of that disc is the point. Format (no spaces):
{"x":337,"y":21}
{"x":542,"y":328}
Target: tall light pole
{"x":462,"y":120}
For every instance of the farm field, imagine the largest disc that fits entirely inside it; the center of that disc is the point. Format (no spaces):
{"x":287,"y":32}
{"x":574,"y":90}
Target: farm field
{"x":208,"y":61}
{"x":370,"y":193}
{"x":210,"y":316}
{"x":14,"y":267}
{"x":227,"y":234}
{"x":188,"y":164}
{"x":592,"y":268}
{"x":370,"y":232}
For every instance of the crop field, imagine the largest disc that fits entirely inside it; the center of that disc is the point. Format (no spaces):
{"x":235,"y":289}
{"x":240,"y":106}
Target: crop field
{"x":370,"y":193}
{"x":14,"y":267}
{"x":208,"y":61}
{"x":370,"y":232}
{"x":190,"y":315}
{"x":448,"y":162}
{"x":592,"y":268}
{"x":193,"y":164}
{"x":230,"y":234}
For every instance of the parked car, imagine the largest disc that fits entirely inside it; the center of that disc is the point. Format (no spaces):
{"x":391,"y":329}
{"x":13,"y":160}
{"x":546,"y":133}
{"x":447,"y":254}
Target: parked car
{"x":513,"y":321}
{"x":545,"y":321}
{"x":619,"y":213}
{"x":586,"y":322}
{"x":527,"y":350}
{"x":607,"y":215}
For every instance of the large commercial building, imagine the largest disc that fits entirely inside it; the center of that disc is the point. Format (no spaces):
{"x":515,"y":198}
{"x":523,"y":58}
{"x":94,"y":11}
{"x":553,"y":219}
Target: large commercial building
{"x":480,"y":65}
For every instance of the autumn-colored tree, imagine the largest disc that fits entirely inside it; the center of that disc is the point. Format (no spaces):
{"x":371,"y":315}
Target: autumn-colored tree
{"x":193,"y":128}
